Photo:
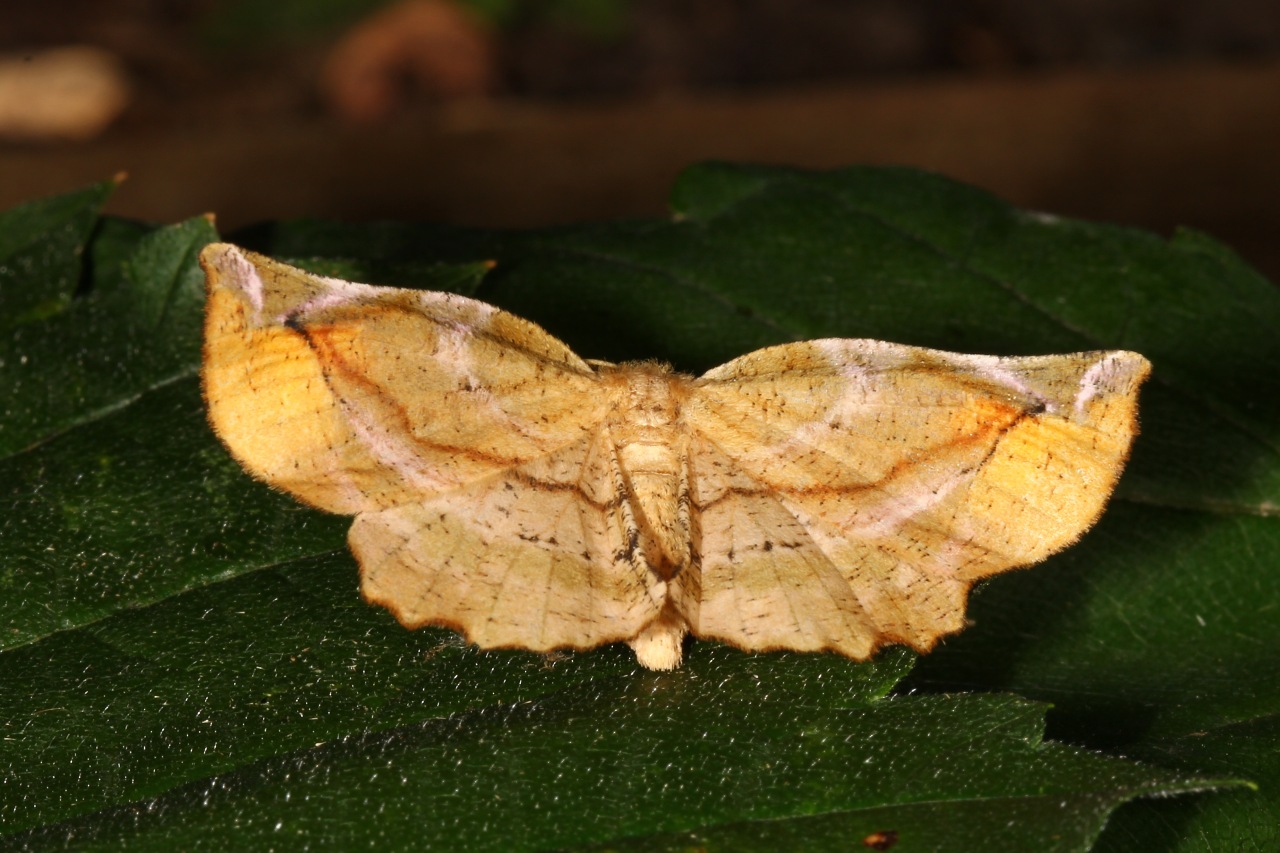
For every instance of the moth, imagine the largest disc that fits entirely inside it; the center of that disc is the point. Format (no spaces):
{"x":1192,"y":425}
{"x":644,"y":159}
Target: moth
{"x":831,"y":494}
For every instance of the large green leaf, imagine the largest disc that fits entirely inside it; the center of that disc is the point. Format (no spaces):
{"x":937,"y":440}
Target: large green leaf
{"x":40,"y":253}
{"x":188,"y":658}
{"x":784,"y":744}
{"x":136,"y":326}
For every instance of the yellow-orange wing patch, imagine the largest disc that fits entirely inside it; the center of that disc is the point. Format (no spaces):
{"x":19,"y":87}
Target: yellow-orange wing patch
{"x":470,"y":443}
{"x":895,"y":477}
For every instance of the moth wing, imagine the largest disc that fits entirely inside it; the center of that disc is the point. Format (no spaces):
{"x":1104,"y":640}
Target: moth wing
{"x":357,"y":398}
{"x":759,"y":580}
{"x":541,"y":556}
{"x":905,"y":473}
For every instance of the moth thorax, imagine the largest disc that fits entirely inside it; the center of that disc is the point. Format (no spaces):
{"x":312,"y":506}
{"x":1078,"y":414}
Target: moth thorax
{"x":653,"y":454}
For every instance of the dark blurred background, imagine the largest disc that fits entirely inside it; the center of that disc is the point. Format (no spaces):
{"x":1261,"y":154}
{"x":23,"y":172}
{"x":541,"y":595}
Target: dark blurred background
{"x":1154,"y":113}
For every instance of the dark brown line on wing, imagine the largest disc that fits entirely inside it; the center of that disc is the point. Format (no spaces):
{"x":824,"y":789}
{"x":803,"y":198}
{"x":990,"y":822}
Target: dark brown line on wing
{"x":902,"y":467}
{"x":338,"y":365}
{"x":553,"y":486}
{"x":506,"y":465}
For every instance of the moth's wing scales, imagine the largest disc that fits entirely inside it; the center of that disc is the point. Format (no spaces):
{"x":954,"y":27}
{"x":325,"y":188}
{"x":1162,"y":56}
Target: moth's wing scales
{"x":470,"y":444}
{"x":537,"y":557}
{"x":759,"y":579}
{"x":911,"y":472}
{"x":357,"y":398}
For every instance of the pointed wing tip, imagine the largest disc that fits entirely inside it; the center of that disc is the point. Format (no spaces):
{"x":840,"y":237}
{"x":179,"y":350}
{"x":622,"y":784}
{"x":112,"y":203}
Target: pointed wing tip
{"x":1116,"y":372}
{"x":217,"y":255}
{"x":234,"y":270}
{"x":1135,"y":366}
{"x":225,"y":265}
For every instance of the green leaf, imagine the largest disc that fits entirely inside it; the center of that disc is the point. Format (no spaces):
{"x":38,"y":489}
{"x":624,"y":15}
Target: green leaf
{"x":1243,"y":819}
{"x":461,"y":278}
{"x":40,"y":253}
{"x":579,"y":766}
{"x":137,"y":326}
{"x":188,"y":657}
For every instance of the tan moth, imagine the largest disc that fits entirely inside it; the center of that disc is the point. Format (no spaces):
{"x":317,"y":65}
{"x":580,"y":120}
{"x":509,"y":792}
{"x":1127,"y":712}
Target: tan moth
{"x":824,"y":495}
